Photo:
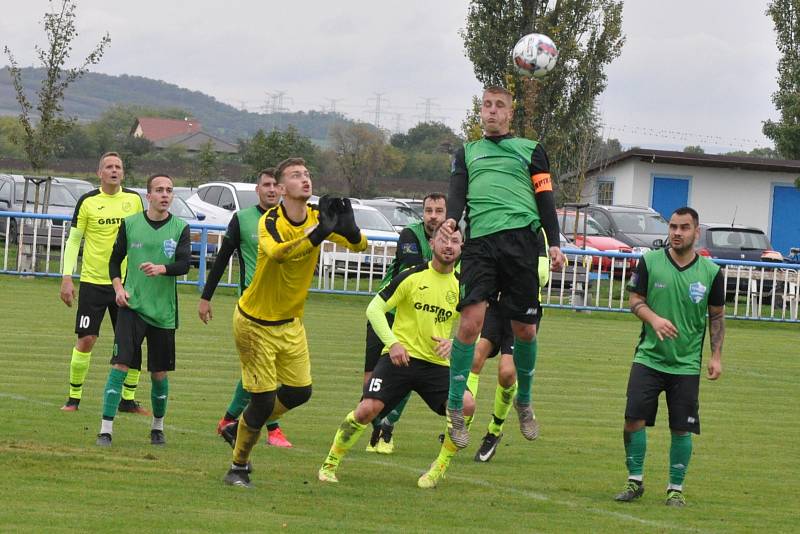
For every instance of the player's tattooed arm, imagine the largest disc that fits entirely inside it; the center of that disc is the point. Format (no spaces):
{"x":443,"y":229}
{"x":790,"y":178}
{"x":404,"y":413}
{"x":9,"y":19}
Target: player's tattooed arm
{"x":661,"y":326}
{"x":716,"y":319}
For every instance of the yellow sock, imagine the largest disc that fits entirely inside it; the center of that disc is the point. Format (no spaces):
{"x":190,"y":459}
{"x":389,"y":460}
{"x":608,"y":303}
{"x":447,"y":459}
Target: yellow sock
{"x":131,"y":381}
{"x":246,"y":438}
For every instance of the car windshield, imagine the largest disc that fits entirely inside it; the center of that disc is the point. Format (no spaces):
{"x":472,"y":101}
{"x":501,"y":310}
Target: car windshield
{"x":592,"y":227}
{"x":372,"y":220}
{"x":184,"y":193}
{"x":640,"y":223}
{"x":59,"y":195}
{"x":79,"y":189}
{"x":179,"y":208}
{"x":398,"y":215}
{"x":737,"y":239}
{"x":247,"y":198}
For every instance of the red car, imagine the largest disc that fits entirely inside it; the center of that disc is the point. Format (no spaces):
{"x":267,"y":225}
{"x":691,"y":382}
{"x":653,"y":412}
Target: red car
{"x":595,"y":236}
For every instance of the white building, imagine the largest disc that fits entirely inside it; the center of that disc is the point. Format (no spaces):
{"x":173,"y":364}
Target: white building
{"x":751,"y":191}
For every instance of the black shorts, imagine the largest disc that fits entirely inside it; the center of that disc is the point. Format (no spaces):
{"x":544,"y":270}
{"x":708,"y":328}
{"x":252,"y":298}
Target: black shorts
{"x":390,"y":383}
{"x":497,"y":329}
{"x":93,"y":301}
{"x":644,"y":386}
{"x":373,"y":347}
{"x":131,"y":331}
{"x":505,"y":262}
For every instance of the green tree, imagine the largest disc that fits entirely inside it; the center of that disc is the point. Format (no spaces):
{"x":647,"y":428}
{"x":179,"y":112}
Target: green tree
{"x":207,"y":164}
{"x":362,"y":155}
{"x":558,"y":109}
{"x":267,"y":150}
{"x":43,"y":133}
{"x":763,"y":152}
{"x":428,"y":137}
{"x":693,"y":149}
{"x":786,"y":132}
{"x":114,"y":126}
{"x":10,"y":129}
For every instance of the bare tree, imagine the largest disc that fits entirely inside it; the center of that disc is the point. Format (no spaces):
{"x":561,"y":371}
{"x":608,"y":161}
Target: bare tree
{"x":44,"y":123}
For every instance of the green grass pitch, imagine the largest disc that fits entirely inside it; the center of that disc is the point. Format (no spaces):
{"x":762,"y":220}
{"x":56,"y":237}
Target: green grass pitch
{"x":743,"y":475}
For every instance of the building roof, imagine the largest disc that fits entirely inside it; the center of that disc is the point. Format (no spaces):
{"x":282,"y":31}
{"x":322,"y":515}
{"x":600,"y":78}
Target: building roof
{"x":155,"y":129}
{"x":195,"y":141}
{"x":699,"y":160}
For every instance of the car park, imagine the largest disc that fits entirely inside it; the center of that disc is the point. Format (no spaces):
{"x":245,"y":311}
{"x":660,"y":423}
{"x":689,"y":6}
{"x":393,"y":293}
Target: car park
{"x":180,"y":208}
{"x":636,"y":226}
{"x":380,"y":252}
{"x":399,"y":215}
{"x":413,"y":203}
{"x":77,"y":187}
{"x":220,"y":200}
{"x":585,"y":231}
{"x":60,"y":202}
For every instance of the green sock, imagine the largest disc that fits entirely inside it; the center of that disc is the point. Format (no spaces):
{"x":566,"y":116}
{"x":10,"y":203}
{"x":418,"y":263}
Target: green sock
{"x":680,"y":451}
{"x":347,"y":436}
{"x":78,"y":368}
{"x":159,"y":392}
{"x":503,"y":397}
{"x":525,"y":362}
{"x":460,"y":363}
{"x":635,"y":449}
{"x":394,"y":416}
{"x":473,"y":381}
{"x":131,"y":381}
{"x":113,"y":392}
{"x":239,"y":401}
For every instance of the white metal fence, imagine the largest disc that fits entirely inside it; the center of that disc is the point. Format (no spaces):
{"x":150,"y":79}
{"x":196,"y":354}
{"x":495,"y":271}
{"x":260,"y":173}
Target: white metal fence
{"x":590,"y":281}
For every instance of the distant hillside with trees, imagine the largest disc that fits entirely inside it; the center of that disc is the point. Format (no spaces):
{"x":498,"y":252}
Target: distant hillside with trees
{"x":88,"y":97}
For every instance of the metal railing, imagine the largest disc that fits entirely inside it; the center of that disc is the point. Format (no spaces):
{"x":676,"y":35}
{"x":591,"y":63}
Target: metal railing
{"x":590,"y":280}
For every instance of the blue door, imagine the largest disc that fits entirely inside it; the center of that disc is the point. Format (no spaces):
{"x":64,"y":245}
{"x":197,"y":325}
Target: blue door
{"x":785,"y":225}
{"x":669,"y":194}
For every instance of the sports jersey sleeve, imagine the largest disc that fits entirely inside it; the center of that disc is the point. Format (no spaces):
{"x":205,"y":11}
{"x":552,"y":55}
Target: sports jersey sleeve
{"x":71,"y":250}
{"x":355,"y":247}
{"x":118,"y":253}
{"x":183,"y":254}
{"x":273,"y":245}
{"x":717,"y":295}
{"x":457,"y":193}
{"x":639,"y":279}
{"x":229,"y":243}
{"x":408,"y":253}
{"x":539,"y":168}
{"x":376,"y":315}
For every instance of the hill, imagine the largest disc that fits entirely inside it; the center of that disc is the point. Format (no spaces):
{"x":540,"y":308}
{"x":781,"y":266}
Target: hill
{"x":88,"y":97}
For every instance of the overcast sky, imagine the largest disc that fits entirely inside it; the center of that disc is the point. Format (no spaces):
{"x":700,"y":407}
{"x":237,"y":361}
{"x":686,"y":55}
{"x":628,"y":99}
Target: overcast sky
{"x":691,"y":72}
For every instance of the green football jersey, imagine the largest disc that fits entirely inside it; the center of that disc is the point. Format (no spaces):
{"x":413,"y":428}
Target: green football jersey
{"x":681,"y":296}
{"x":500,"y":193}
{"x":154,"y":298}
{"x":248,"y":242}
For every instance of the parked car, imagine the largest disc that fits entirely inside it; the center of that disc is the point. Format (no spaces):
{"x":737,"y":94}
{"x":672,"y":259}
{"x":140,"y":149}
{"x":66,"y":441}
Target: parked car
{"x":383,"y":243}
{"x":61,"y":202}
{"x":636,"y":226}
{"x":400,"y":216}
{"x":77,"y":187}
{"x":591,"y":234}
{"x":220,"y":200}
{"x":181,"y":209}
{"x":413,"y":203}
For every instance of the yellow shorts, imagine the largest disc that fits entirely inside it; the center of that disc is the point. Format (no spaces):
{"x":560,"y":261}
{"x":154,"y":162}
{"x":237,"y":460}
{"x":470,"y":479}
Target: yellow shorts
{"x":271,"y":355}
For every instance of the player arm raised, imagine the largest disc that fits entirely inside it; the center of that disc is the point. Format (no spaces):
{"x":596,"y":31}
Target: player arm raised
{"x":457,"y":192}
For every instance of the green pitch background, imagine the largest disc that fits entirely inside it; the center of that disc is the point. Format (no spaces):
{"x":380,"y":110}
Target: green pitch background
{"x":743,"y":475}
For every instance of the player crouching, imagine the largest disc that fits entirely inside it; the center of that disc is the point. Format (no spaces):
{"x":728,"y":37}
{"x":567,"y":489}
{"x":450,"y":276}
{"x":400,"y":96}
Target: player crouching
{"x":418,"y":347}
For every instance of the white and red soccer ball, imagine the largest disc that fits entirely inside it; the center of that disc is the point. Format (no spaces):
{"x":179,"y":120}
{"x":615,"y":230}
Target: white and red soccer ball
{"x":534,"y":55}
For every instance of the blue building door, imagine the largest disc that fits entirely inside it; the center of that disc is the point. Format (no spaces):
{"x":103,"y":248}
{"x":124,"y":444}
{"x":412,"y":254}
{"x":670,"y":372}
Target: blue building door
{"x":669,"y":194}
{"x":785,"y":224}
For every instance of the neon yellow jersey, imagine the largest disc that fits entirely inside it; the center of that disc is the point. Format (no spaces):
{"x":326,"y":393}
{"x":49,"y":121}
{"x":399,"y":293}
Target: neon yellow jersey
{"x":425,"y":300}
{"x":98,"y":215}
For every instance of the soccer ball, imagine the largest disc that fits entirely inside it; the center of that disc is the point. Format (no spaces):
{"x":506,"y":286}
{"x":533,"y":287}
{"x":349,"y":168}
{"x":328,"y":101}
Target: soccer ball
{"x":534,"y":55}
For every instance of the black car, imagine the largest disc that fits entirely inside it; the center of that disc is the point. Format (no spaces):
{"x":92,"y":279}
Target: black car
{"x":636,"y":226}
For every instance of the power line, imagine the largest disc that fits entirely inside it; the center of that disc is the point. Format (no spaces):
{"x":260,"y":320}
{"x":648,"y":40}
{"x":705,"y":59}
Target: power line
{"x":378,"y":99}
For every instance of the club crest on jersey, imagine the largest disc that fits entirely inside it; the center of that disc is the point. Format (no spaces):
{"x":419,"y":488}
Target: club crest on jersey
{"x":410,"y":248}
{"x":126,"y":206}
{"x":451,"y":297}
{"x":169,"y":247}
{"x":696,"y":292}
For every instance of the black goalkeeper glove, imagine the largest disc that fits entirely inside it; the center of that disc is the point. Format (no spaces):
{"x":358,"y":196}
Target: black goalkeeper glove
{"x":346,"y":225}
{"x":327,"y":220}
